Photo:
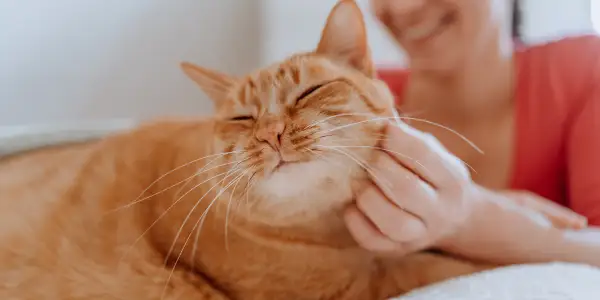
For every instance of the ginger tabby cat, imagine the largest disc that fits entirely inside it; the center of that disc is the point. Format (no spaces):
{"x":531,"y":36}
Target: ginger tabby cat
{"x":244,"y":205}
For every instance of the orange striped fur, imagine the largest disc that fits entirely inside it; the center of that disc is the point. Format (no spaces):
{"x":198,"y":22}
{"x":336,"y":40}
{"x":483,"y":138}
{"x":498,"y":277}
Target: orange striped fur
{"x":203,"y":209}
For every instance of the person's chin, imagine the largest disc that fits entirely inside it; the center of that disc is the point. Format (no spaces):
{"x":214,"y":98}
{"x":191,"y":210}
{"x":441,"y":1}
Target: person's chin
{"x":434,"y":65}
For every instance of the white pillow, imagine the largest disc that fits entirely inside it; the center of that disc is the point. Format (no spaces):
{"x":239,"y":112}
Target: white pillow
{"x":14,"y":139}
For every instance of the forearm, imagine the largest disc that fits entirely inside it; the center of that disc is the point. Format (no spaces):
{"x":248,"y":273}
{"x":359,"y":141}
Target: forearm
{"x":501,"y":232}
{"x":558,"y":246}
{"x":553,"y":245}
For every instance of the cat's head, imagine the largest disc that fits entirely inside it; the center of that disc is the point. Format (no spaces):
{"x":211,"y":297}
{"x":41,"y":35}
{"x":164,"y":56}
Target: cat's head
{"x":303,"y":129}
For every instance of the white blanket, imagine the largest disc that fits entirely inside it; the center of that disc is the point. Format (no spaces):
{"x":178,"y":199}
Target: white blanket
{"x":526,"y":282}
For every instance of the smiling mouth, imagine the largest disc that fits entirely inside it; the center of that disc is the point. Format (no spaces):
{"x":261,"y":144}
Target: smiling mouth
{"x":428,"y":31}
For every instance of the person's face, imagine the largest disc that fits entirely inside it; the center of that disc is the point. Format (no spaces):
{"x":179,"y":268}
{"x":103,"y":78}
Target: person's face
{"x":441,"y":34}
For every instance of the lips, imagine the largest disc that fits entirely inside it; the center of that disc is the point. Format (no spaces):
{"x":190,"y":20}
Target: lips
{"x":427,"y":29}
{"x":422,"y":31}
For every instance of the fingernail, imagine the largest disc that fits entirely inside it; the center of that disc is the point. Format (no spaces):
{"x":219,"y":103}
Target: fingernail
{"x":582,"y":222}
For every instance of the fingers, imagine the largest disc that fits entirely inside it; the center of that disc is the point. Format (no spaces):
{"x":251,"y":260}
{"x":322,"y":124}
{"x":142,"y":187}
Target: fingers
{"x":403,"y":188}
{"x":423,"y":154}
{"x":370,"y":237}
{"x":366,"y":234}
{"x":561,"y":217}
{"x":389,"y":219}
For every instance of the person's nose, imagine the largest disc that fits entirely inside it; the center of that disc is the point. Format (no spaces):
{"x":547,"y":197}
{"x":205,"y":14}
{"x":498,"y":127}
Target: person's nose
{"x":270,"y":131}
{"x":403,"y":7}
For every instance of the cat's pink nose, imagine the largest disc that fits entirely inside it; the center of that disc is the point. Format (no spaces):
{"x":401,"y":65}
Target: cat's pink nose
{"x":270,"y":131}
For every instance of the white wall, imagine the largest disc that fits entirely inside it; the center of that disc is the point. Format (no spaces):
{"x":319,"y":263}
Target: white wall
{"x":549,"y":19}
{"x":290,"y":26}
{"x":293,"y":25}
{"x":82,"y":60}
{"x":74,"y":59}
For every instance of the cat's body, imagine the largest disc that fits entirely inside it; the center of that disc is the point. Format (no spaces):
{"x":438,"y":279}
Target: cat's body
{"x":285,"y":153}
{"x":60,"y":246}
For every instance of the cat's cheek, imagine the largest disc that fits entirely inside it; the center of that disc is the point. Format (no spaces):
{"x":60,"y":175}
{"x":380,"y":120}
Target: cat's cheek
{"x":232,"y":132}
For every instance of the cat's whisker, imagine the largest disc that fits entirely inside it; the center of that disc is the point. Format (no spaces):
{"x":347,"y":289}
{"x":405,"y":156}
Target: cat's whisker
{"x":398,"y":112}
{"x":458,"y":134}
{"x":332,"y":135}
{"x":351,"y":139}
{"x":228,"y":173}
{"x":188,"y":179}
{"x":198,"y":223}
{"x":401,"y":154}
{"x":165,"y":213}
{"x":233,"y":181}
{"x":386,"y":184}
{"x":183,"y":166}
{"x":326,"y":158}
{"x":249,"y":186}
{"x":405,"y":115}
{"x":337,"y":116}
{"x":358,"y":161}
{"x":180,"y":189}
{"x":229,"y":208}
{"x":383,"y":149}
{"x":245,"y":192}
{"x":469,"y":142}
{"x":197,"y":228}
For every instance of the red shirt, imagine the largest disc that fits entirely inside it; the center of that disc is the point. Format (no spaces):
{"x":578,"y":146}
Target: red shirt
{"x":557,"y":147}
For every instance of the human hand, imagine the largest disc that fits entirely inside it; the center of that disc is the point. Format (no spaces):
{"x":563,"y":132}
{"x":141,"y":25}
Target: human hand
{"x":421,"y":194}
{"x":513,"y":227}
{"x":422,"y":197}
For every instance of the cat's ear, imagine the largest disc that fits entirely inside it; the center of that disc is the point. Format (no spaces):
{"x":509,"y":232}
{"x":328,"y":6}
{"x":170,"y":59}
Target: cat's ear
{"x":216,"y":85}
{"x":344,"y":37}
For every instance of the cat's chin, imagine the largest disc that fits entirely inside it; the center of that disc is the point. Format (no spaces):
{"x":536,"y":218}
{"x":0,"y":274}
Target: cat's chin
{"x":301,"y":193}
{"x":293,"y":180}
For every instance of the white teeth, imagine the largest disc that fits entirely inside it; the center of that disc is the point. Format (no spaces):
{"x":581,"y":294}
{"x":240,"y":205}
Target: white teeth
{"x":421,"y":31}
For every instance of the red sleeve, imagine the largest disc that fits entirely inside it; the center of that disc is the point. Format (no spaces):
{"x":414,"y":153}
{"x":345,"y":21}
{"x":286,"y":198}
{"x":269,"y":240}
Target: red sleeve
{"x":584,"y":160}
{"x":583,"y":147}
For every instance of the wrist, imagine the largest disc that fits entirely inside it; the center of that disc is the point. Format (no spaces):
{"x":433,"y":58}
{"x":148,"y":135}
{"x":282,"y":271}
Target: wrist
{"x":469,"y":228}
{"x":498,"y":231}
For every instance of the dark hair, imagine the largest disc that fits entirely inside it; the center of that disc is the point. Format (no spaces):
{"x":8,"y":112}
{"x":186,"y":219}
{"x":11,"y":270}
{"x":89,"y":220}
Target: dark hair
{"x":517,"y":20}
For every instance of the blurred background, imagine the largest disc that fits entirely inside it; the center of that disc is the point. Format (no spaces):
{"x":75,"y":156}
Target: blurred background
{"x":71,"y":60}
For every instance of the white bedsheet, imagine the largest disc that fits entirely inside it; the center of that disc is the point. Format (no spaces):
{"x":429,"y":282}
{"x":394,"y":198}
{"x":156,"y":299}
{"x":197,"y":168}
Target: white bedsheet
{"x":556,"y":281}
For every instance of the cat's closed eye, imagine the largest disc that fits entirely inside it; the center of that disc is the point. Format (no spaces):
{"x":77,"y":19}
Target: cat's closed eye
{"x":242,"y":118}
{"x":311,"y":90}
{"x":308,"y":91}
